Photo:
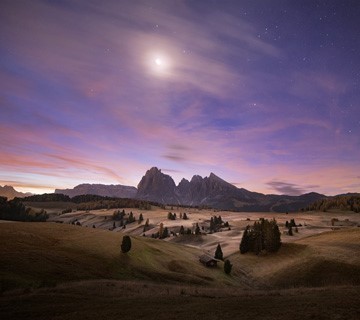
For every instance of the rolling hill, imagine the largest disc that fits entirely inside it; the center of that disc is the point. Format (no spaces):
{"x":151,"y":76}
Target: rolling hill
{"x":68,"y":272}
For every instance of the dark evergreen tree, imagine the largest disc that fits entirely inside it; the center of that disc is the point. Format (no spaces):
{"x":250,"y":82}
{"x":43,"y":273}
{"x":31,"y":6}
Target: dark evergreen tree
{"x":126,"y":244}
{"x":182,"y":230}
{"x":161,"y":229}
{"x":185,"y":217}
{"x":290,"y":231}
{"x":292,"y":223}
{"x":218,"y":253}
{"x":197,"y":229}
{"x":212,"y":224}
{"x":165,"y":233}
{"x":245,"y":241}
{"x":227,"y":266}
{"x":131,"y":218}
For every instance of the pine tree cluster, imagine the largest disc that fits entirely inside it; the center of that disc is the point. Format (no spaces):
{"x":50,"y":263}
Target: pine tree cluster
{"x":171,"y":216}
{"x":263,"y":235}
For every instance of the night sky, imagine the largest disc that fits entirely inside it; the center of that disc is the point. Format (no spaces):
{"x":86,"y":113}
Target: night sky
{"x":265,"y":94}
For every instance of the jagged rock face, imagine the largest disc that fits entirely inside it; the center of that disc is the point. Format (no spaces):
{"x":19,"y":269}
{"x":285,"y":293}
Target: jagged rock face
{"x":118,"y":191}
{"x":209,"y":191}
{"x":205,"y":190}
{"x":213,"y":191}
{"x":157,"y":186}
{"x":10,"y":193}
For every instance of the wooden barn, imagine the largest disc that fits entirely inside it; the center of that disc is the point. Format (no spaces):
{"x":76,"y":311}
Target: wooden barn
{"x":208,"y":261}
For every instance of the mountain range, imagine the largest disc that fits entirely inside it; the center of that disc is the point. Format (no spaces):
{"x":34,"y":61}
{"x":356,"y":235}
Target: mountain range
{"x":104,"y":190}
{"x":10,"y":193}
{"x":210,"y":191}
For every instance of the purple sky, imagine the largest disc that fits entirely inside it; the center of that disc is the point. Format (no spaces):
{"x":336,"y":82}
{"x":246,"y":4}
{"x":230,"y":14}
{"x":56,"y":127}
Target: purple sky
{"x":265,"y":94}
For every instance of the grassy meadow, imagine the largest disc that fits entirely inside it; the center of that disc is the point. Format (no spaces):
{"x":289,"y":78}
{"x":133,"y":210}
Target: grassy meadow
{"x":64,"y":271}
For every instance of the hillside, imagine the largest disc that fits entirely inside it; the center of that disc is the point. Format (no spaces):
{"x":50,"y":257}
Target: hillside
{"x":327,"y":259}
{"x":43,"y":254}
{"x":71,"y":272}
{"x":50,"y":253}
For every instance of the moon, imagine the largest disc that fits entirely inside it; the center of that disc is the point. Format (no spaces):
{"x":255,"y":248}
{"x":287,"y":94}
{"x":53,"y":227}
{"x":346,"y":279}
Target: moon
{"x":159,"y":64}
{"x":158,"y":61}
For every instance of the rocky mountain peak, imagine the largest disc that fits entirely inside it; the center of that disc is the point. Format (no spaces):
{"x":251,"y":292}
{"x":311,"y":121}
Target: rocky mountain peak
{"x":157,"y":186}
{"x":196,"y":179}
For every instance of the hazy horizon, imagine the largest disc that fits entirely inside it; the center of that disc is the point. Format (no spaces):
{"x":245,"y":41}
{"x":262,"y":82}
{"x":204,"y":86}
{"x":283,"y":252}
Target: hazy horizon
{"x":264,"y":96}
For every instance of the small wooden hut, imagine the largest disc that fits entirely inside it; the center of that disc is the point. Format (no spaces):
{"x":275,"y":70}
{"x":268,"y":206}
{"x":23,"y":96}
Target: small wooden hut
{"x":208,"y":261}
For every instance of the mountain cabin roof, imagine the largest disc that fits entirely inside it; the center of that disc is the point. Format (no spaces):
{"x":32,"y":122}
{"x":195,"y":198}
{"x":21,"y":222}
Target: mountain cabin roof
{"x":208,"y":260}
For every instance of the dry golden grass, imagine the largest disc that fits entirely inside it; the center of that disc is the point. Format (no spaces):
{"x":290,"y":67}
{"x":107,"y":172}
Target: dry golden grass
{"x":325,"y":259}
{"x":69,"y":272}
{"x":43,"y":254}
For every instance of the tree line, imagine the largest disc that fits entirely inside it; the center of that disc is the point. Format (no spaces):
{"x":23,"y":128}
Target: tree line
{"x":342,"y":202}
{"x":15,"y":210}
{"x":91,"y":201}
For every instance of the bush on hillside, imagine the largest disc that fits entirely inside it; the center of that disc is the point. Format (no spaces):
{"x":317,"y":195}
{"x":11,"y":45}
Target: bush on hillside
{"x":227,"y":266}
{"x":126,"y":244}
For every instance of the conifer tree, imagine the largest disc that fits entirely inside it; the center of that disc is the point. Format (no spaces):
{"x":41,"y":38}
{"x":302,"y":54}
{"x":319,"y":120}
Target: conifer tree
{"x":245,"y":241}
{"x":212,"y":224}
{"x":131,"y":218}
{"x":197,"y":229}
{"x":161,"y":229}
{"x":290,"y":231}
{"x":165,"y":233}
{"x":141,"y":218}
{"x":218,"y":252}
{"x":227,"y":266}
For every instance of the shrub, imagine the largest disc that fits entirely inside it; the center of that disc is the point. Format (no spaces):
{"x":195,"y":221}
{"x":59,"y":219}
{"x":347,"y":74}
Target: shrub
{"x":126,"y":244}
{"x":227,"y":266}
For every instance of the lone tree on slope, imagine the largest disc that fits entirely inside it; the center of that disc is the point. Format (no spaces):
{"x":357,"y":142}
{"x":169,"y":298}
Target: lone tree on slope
{"x":219,"y":253}
{"x":126,"y":244}
{"x":227,"y":266}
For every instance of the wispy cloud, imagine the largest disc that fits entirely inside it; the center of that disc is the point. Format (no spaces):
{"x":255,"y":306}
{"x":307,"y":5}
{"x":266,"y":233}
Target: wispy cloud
{"x":80,"y":97}
{"x":290,"y":188}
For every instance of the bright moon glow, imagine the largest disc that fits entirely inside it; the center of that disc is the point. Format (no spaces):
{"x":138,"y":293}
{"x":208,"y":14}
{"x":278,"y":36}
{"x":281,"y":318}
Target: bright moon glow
{"x":159,"y":64}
